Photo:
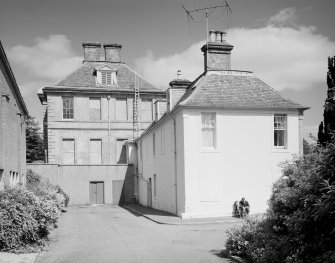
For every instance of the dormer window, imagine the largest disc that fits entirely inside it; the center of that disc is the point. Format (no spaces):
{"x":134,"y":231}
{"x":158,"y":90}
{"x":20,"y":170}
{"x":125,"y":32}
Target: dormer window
{"x":106,"y":76}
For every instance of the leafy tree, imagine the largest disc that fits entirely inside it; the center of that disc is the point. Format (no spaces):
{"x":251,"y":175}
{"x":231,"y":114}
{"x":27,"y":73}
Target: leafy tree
{"x":34,"y":141}
{"x":300,"y":223}
{"x":328,"y":125}
{"x":306,"y":147}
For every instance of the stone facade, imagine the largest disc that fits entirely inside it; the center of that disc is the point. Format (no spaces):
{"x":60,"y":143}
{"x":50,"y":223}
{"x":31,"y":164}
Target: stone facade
{"x":12,"y":127}
{"x":89,"y":115}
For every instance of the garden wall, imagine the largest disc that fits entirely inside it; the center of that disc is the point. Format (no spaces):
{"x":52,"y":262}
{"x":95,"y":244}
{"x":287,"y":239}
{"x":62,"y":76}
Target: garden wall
{"x":76,"y":179}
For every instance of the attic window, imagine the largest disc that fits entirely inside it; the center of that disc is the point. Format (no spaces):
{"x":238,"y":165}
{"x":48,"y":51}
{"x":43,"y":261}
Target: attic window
{"x":106,"y":77}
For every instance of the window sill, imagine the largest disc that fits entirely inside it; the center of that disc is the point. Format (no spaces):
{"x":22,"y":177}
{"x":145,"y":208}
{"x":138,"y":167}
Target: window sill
{"x":280,"y":150}
{"x":209,"y":150}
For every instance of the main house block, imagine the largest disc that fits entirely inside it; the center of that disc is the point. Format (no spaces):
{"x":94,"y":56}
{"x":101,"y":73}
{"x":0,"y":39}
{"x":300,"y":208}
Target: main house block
{"x":88,"y":116}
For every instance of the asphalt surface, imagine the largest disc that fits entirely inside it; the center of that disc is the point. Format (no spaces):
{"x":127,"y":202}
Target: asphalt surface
{"x":113,"y":234}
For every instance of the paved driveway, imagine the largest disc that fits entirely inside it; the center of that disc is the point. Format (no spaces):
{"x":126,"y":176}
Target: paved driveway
{"x":113,"y":234}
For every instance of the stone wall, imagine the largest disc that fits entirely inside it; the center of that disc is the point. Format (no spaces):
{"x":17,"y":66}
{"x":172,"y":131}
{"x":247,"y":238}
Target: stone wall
{"x":75,"y":180}
{"x":12,"y":132}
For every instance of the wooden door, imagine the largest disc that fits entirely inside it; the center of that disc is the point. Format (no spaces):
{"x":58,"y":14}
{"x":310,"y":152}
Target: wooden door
{"x":149,"y":193}
{"x":96,"y":192}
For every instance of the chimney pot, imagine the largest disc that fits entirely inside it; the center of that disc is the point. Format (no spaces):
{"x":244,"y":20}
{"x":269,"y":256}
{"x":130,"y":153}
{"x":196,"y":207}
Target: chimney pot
{"x":218,"y":36}
{"x":212,"y":36}
{"x":179,"y":74}
{"x":113,"y":52}
{"x":91,"y":51}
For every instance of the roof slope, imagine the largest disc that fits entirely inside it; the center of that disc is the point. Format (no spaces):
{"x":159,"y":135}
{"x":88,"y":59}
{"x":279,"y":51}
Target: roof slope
{"x":234,"y":90}
{"x":84,"y":78}
{"x":12,"y":79}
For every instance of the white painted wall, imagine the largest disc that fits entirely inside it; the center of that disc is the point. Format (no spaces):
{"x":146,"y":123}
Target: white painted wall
{"x":244,"y":163}
{"x":163,"y":165}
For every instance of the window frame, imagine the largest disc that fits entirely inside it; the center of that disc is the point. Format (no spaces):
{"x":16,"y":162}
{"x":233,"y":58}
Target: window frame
{"x":116,"y":151}
{"x":154,"y":144}
{"x":90,"y":159}
{"x":214,"y":145}
{"x":149,"y":101}
{"x":89,"y":108}
{"x":284,"y":129}
{"x":63,"y":107}
{"x":116,"y":110}
{"x":74,"y":150}
{"x":106,"y":77}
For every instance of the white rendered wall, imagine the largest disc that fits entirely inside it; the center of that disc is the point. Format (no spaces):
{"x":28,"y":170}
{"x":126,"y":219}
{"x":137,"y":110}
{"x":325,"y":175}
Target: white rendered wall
{"x":163,"y":165}
{"x":244,"y":163}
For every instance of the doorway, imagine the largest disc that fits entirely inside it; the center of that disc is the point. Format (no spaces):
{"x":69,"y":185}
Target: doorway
{"x":96,"y":192}
{"x":149,"y":193}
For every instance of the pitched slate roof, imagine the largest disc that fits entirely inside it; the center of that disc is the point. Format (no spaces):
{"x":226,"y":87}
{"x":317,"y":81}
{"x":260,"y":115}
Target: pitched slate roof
{"x":84,"y":78}
{"x":236,"y":90}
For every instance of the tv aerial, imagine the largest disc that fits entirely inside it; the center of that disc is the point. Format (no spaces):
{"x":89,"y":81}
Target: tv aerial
{"x":206,"y":12}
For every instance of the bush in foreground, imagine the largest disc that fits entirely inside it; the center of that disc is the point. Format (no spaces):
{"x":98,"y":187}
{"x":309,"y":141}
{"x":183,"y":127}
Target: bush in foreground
{"x":28,"y":214}
{"x":300,"y":223}
{"x":25,"y":220}
{"x":41,"y":187}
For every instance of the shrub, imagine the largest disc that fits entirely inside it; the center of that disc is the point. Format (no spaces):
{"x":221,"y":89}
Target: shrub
{"x":41,"y":187}
{"x":300,"y":223}
{"x":24,"y":219}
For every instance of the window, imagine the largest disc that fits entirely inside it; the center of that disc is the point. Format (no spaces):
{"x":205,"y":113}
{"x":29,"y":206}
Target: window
{"x":108,"y":77}
{"x":155,"y":185}
{"x":68,"y":152}
{"x":162,"y":140}
{"x":279,"y":130}
{"x":67,"y":107}
{"x":141,"y":152}
{"x":208,"y":130}
{"x":1,"y":175}
{"x":146,"y":110}
{"x":95,"y":109}
{"x":153,"y":144}
{"x":121,"y":112}
{"x":95,"y":151}
{"x":121,"y":152}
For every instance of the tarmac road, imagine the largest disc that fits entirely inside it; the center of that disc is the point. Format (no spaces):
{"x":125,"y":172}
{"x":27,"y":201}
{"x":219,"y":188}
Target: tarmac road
{"x":113,"y":234}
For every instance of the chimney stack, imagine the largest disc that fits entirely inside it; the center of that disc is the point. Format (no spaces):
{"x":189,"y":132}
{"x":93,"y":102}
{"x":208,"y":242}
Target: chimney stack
{"x":91,"y":51}
{"x":160,"y":109}
{"x":113,"y":52}
{"x":217,"y":52}
{"x":177,"y":89}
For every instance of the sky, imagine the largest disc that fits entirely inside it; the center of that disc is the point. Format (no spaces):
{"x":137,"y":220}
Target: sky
{"x":285,"y":43}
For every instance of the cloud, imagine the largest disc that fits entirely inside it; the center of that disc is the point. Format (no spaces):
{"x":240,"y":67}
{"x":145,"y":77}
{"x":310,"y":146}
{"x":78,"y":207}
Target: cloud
{"x":161,"y":70}
{"x":285,"y":17}
{"x":51,"y":58}
{"x":281,"y":55}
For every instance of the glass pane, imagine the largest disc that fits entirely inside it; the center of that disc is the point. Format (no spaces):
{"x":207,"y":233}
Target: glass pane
{"x":121,"y":109}
{"x":121,"y":153}
{"x":95,"y":109}
{"x":146,"y":110}
{"x":208,"y":129}
{"x":279,"y":139}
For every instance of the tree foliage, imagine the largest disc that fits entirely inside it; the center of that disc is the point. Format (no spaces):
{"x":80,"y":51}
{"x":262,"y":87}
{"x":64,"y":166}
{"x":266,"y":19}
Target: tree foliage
{"x":34,"y":141}
{"x":328,"y":125}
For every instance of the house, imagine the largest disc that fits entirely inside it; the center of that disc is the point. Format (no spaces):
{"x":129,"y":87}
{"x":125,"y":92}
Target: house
{"x":88,"y":116}
{"x":223,"y":138}
{"x":12,"y":127}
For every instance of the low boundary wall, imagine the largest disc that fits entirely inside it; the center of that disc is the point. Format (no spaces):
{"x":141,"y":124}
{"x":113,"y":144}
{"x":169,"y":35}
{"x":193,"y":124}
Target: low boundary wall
{"x":75,"y":180}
